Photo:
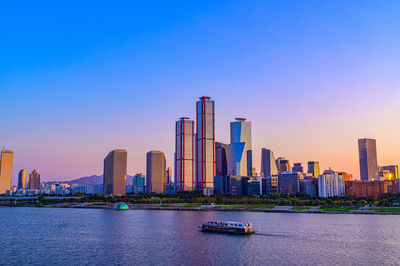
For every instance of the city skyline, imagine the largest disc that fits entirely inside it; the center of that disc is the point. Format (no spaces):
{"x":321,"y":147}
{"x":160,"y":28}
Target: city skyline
{"x":356,"y":175}
{"x":310,"y":89}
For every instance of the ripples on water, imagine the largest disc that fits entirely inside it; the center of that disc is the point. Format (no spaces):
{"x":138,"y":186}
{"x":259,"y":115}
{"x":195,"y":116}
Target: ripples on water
{"x":48,"y":236}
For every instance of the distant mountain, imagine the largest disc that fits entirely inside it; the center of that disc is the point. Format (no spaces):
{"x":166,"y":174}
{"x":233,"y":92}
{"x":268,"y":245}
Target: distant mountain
{"x":88,"y":180}
{"x":91,"y":180}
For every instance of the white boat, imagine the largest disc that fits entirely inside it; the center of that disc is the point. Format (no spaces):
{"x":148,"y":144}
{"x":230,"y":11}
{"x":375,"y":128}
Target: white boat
{"x":228,"y":227}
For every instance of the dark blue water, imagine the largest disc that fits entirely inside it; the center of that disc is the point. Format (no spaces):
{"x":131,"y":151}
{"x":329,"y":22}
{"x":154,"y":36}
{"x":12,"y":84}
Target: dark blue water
{"x":51,"y":236}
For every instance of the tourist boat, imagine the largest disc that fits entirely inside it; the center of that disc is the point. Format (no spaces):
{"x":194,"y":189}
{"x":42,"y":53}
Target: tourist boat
{"x":228,"y":227}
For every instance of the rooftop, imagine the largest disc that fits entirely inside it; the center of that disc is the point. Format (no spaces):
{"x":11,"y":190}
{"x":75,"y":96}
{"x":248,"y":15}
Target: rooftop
{"x":205,"y":98}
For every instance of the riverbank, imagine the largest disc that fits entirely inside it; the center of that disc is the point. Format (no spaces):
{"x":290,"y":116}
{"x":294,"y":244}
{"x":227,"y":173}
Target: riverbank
{"x":232,"y":208}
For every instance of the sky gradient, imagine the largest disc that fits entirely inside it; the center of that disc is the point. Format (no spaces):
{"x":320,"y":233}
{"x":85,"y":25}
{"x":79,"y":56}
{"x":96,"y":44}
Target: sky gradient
{"x":78,"y":79}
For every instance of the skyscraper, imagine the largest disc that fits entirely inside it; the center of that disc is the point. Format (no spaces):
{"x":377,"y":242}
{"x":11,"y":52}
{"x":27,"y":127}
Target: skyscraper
{"x":184,"y":155}
{"x":22,"y":179}
{"x":205,"y":143}
{"x":284,"y":166}
{"x":297,"y":168}
{"x":313,"y":168}
{"x":34,"y":180}
{"x":114,"y":175}
{"x":169,"y":175}
{"x":239,"y":150}
{"x":268,"y":164}
{"x":278,"y":164}
{"x":368,"y":158}
{"x":156,"y":174}
{"x":221,"y":159}
{"x":138,"y":183}
{"x":6,"y":165}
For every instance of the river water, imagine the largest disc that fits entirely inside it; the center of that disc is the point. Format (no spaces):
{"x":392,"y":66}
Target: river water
{"x":54,"y":236}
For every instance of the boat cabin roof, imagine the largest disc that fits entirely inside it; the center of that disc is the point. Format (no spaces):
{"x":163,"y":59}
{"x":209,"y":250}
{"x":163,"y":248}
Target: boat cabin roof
{"x":230,"y":223}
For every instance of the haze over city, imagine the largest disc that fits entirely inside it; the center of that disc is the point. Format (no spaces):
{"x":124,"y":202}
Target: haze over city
{"x":312,"y":77}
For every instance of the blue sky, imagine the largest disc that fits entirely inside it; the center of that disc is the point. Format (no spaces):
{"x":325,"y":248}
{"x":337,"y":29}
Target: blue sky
{"x":79,"y":78}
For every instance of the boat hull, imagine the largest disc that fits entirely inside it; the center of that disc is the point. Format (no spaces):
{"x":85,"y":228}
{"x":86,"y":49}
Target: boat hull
{"x":226,"y":231}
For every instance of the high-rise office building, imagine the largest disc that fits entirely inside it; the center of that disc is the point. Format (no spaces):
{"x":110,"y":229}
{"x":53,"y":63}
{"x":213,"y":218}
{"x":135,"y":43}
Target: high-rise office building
{"x":393,"y":169}
{"x":297,"y":168}
{"x":34,"y":180}
{"x":139,"y":183}
{"x":368,"y":159}
{"x":114,"y":175}
{"x":268,"y":164}
{"x":184,"y":155}
{"x":156,"y":174}
{"x":239,"y":150}
{"x":169,"y":175}
{"x":384,"y":175}
{"x":6,"y":165}
{"x":313,"y":168}
{"x":284,"y":166}
{"x":22,"y":179}
{"x":278,"y":163}
{"x":205,"y":143}
{"x":221,"y":163}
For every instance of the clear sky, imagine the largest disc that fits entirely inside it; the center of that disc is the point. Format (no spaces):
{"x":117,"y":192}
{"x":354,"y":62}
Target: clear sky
{"x":80,"y":78}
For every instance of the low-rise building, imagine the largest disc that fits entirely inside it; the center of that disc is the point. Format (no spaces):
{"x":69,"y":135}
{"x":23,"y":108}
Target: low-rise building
{"x":309,"y":186}
{"x":170,"y":188}
{"x":253,"y":187}
{"x":289,"y":182}
{"x":269,"y":185}
{"x":85,"y":189}
{"x":222,"y":184}
{"x":360,"y":189}
{"x":235,"y":185}
{"x":208,"y":191}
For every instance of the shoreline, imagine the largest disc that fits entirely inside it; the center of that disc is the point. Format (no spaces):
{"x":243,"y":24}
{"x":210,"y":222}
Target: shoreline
{"x":225,"y":208}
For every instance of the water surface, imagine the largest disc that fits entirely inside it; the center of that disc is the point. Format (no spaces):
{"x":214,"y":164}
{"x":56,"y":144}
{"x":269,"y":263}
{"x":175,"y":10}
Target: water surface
{"x":49,"y":236}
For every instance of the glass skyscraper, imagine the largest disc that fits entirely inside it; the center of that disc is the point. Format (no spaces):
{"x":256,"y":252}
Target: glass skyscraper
{"x":239,"y":150}
{"x":184,"y":155}
{"x":205,"y":143}
{"x":22,"y":179}
{"x":268,"y":164}
{"x":368,"y":159}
